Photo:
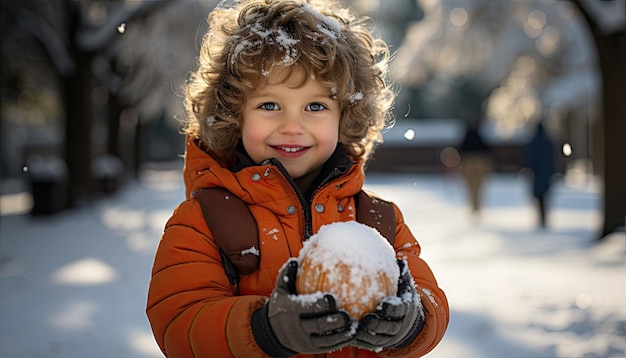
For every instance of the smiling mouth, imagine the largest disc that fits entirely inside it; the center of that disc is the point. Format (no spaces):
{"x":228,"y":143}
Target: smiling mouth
{"x":291,"y":149}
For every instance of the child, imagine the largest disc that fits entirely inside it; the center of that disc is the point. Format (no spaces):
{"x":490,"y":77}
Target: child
{"x":285,"y":107}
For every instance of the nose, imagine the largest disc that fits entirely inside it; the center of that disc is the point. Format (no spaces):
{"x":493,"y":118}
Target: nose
{"x":292,"y":124}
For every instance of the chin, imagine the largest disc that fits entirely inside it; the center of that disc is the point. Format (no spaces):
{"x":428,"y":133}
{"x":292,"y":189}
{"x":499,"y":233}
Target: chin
{"x":296,"y":173}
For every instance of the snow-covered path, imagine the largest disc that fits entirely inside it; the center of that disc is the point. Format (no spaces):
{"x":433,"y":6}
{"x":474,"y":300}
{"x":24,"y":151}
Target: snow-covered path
{"x":516,"y":290}
{"x":74,"y":285}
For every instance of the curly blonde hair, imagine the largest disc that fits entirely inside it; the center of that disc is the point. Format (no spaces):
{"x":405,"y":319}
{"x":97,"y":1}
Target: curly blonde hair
{"x":246,"y":40}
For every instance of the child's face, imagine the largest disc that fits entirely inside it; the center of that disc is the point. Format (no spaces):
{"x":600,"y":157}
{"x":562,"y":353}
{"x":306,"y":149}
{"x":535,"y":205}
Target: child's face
{"x":297,"y":126}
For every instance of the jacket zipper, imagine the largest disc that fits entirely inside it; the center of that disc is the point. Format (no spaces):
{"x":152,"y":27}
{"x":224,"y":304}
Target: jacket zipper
{"x":305,"y":208}
{"x":304,"y":205}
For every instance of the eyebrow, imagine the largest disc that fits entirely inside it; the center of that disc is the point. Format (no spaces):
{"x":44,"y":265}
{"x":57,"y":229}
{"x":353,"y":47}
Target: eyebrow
{"x":269,"y":94}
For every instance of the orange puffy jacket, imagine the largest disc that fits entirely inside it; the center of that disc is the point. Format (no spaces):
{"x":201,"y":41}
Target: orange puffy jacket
{"x":194,"y":310}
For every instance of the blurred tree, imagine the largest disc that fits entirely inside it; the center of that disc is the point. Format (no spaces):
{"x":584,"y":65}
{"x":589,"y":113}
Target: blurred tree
{"x":144,"y":72}
{"x":95,"y":28}
{"x":607,"y":22}
{"x":392,"y":21}
{"x":503,"y":53}
{"x":532,"y":57}
{"x":72,"y":35}
{"x":444,"y":55}
{"x":28,"y":80}
{"x":75,"y":49}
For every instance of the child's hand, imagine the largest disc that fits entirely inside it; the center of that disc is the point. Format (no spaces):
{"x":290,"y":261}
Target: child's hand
{"x":299,"y":323}
{"x":397,"y":321}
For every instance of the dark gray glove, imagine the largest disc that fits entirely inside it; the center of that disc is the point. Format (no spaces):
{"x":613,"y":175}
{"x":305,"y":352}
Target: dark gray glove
{"x":286,"y":326}
{"x":398,"y":320}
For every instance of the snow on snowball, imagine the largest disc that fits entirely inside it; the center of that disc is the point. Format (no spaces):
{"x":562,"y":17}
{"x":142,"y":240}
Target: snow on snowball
{"x":352,"y":261}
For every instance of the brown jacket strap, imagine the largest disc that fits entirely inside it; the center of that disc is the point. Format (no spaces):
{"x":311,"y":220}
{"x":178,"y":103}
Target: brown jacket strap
{"x":377,"y":213}
{"x":234,"y":229}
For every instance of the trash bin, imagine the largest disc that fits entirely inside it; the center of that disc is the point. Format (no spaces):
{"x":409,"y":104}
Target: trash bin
{"x":108,"y":173}
{"x":48,"y":176}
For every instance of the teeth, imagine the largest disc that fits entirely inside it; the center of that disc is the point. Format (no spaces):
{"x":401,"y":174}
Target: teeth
{"x":290,"y":150}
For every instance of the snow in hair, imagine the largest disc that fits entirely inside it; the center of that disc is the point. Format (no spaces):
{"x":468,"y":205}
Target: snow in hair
{"x":326,"y":29}
{"x":278,"y":37}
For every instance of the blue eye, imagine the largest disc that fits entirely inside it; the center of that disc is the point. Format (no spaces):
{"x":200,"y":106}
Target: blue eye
{"x":269,"y":106}
{"x":315,"y":107}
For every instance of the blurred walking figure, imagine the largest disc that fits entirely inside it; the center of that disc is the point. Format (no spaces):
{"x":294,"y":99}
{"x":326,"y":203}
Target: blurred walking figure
{"x":476,"y":164}
{"x":539,"y":158}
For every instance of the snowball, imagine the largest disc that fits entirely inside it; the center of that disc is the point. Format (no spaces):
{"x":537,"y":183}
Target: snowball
{"x":352,"y":261}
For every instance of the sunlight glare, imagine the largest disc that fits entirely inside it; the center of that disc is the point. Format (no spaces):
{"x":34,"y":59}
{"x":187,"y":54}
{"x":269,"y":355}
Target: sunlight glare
{"x":139,"y":242}
{"x":89,"y":271}
{"x":77,"y":315}
{"x":583,"y":301}
{"x":537,"y":19}
{"x":409,"y":134}
{"x":116,"y":218}
{"x":548,"y":43}
{"x":458,"y":17}
{"x":157,"y":220}
{"x":567,"y":149}
{"x":144,"y":343}
{"x":450,"y":157}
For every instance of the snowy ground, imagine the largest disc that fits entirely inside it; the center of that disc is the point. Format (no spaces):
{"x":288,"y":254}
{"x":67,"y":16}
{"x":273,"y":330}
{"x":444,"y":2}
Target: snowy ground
{"x":74,"y":285}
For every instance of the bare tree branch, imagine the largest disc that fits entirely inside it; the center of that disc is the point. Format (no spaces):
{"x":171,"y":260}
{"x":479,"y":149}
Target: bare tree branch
{"x":49,"y":37}
{"x":92,"y":39}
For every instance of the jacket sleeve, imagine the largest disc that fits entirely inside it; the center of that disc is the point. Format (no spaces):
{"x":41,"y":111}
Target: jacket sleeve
{"x":192,"y":307}
{"x":433,"y":298}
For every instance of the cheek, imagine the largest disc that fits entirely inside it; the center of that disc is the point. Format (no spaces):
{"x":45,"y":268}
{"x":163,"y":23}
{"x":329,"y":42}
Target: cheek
{"x":327,"y":139}
{"x":252,"y":130}
{"x":330,"y":134}
{"x":253,"y":141}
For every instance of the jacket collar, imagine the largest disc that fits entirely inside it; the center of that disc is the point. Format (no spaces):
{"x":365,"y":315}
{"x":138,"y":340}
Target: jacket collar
{"x":202,"y":170}
{"x":338,"y":164}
